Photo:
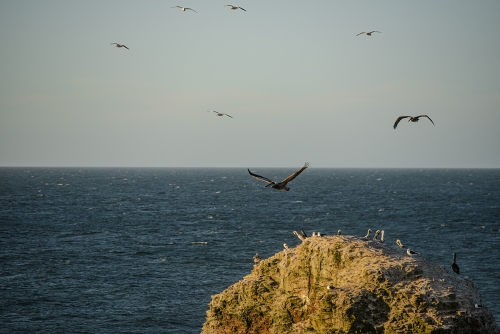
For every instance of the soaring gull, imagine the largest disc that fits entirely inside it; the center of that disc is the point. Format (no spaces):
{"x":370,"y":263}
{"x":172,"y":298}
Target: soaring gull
{"x":412,"y":119}
{"x":280,"y":185}
{"x":219,"y":113}
{"x":235,"y":7}
{"x":185,"y":8}
{"x":367,"y":33}
{"x":120,"y":46}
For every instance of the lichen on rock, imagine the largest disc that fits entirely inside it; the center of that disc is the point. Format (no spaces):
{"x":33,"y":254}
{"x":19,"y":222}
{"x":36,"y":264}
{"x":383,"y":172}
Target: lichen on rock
{"x":375,"y":289}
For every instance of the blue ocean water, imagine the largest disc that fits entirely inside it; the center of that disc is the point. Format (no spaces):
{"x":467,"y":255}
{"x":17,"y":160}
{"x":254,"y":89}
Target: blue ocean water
{"x":142,"y":250}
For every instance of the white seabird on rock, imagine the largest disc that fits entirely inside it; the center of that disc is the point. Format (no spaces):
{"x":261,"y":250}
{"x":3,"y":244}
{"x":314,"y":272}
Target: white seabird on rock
{"x":411,"y":253}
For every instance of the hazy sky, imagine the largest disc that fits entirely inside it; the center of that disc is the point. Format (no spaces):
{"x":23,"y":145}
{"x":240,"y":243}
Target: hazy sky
{"x":299,"y":83}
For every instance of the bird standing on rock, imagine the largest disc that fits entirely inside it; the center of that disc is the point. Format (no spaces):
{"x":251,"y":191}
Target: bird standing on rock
{"x":454,"y":266}
{"x":256,"y":258}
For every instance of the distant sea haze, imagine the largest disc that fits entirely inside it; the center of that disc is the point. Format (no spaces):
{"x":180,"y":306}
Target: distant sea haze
{"x":109,"y":250}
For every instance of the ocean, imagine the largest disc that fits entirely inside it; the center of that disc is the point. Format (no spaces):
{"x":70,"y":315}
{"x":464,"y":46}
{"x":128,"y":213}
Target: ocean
{"x":142,"y":250}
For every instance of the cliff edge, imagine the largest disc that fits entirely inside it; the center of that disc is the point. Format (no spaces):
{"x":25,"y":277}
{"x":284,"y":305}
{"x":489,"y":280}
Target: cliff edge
{"x":373,"y":288}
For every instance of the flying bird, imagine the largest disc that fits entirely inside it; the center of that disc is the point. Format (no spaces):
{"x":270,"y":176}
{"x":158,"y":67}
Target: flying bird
{"x":280,"y":185}
{"x":454,"y":266}
{"x":367,"y":33}
{"x":235,"y":7}
{"x":219,"y":113}
{"x":412,"y":119}
{"x":185,"y":8}
{"x":120,"y":46}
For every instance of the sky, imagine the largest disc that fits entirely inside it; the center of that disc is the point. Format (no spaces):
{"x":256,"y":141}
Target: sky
{"x":298,"y":82}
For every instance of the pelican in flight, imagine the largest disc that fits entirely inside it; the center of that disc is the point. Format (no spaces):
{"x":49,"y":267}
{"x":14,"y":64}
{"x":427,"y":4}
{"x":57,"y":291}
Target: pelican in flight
{"x":235,"y":7}
{"x":454,"y":266}
{"x":120,"y":46}
{"x":280,"y":185}
{"x":219,"y":113}
{"x":412,"y":119}
{"x":398,"y":242}
{"x":185,"y":8}
{"x":367,"y":33}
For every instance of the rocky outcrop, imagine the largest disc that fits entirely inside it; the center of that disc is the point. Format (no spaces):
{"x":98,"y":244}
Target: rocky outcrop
{"x":375,"y":289}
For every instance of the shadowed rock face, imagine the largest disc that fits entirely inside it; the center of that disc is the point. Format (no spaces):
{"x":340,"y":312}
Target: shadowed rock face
{"x":377,"y":289}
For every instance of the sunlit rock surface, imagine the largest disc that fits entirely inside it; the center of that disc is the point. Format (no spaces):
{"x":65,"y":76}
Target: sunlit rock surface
{"x":377,"y":289}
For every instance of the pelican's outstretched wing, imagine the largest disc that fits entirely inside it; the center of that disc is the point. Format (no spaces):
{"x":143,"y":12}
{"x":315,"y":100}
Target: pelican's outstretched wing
{"x":428,"y":118}
{"x":129,"y":49}
{"x":228,"y":115}
{"x":361,"y":33}
{"x":294,"y":175}
{"x":262,"y":178}
{"x":191,"y":9}
{"x":373,"y":31}
{"x":399,"y":119}
{"x":242,"y":8}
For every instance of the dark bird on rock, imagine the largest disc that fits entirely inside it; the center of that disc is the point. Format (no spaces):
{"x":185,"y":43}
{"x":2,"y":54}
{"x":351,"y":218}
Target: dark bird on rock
{"x":454,"y":266}
{"x":280,"y":185}
{"x":412,"y":119}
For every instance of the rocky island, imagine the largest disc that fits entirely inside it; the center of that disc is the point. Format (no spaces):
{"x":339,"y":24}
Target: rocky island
{"x":344,"y":284}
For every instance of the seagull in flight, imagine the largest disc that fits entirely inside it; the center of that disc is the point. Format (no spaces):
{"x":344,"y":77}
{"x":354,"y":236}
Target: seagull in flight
{"x":280,"y":185}
{"x":120,"y":46}
{"x":235,"y":7}
{"x":367,"y":33}
{"x":185,"y":8}
{"x":219,"y":113}
{"x":412,"y":119}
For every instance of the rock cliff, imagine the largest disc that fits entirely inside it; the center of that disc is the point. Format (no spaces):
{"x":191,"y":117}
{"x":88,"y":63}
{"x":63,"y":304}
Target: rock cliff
{"x":373,"y":289}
